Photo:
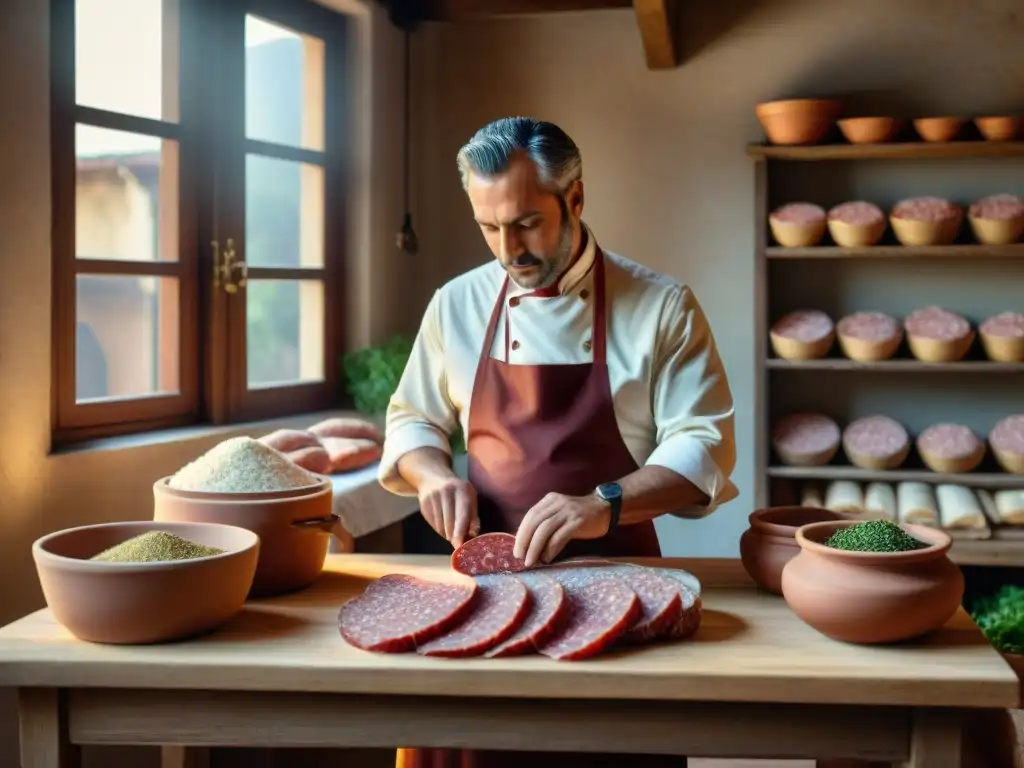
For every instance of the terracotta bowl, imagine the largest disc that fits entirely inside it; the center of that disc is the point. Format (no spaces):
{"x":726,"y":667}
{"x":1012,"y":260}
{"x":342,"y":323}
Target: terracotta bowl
{"x":797,"y":121}
{"x":294,"y":527}
{"x":869,"y":130}
{"x":999,"y":128}
{"x":872,"y":597}
{"x":136,"y":603}
{"x":770,"y":541}
{"x":938,"y":128}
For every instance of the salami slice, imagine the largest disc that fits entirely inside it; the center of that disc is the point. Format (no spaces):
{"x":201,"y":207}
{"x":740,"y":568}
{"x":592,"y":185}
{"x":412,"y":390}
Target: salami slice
{"x":1007,"y":435}
{"x":876,"y":436}
{"x":799,"y":213}
{"x":937,"y":323}
{"x":857,"y":213}
{"x":398,"y":612}
{"x":805,"y":433}
{"x":869,"y":326}
{"x":926,"y":208}
{"x":501,"y":605}
{"x":602,"y":611}
{"x":998,"y":208}
{"x":1006,"y":325}
{"x":487,"y":553}
{"x":949,"y":441}
{"x":548,"y":609}
{"x":806,"y":325}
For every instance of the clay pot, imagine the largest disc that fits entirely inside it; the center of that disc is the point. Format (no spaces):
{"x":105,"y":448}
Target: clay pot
{"x":797,"y":121}
{"x":294,"y":527}
{"x":938,"y":129}
{"x":872,"y":597}
{"x":869,"y":130}
{"x":136,"y":603}
{"x":770,"y":541}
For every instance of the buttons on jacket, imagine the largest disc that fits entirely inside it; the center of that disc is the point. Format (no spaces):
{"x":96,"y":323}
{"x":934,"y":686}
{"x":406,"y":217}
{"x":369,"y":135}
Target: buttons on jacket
{"x":515,"y":345}
{"x":514,"y":301}
{"x":587,"y":345}
{"x":584,"y":294}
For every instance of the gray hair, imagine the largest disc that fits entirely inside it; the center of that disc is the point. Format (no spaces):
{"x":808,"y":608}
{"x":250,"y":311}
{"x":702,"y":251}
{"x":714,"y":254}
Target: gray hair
{"x":556,"y":155}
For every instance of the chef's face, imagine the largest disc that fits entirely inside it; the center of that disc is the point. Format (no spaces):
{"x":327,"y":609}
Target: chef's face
{"x":532,"y":231}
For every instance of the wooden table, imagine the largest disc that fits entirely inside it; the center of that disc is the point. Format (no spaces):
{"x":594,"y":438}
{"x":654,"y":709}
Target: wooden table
{"x":754,"y":682}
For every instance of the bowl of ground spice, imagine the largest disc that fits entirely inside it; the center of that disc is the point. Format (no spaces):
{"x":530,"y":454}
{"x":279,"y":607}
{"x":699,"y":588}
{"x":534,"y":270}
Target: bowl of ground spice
{"x":872,"y":581}
{"x":245,"y":483}
{"x":145,"y":582}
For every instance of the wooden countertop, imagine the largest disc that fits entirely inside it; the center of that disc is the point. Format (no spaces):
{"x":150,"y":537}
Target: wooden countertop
{"x":750,"y":648}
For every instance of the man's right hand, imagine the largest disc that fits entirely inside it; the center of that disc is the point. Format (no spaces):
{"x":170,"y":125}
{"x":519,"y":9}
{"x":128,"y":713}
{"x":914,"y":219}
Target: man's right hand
{"x":449,"y":506}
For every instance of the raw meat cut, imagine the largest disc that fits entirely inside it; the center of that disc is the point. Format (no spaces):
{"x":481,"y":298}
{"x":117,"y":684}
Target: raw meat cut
{"x":288,"y":440}
{"x":925,"y":209}
{"x":876,"y":436}
{"x":549,"y":607}
{"x":348,"y":453}
{"x":1008,"y":435}
{"x":998,"y":207}
{"x":487,"y":553}
{"x":937,"y":323}
{"x":948,"y":441}
{"x":398,"y":612}
{"x":857,"y":212}
{"x":602,"y":611}
{"x":1008,"y":325}
{"x":799,"y":213}
{"x":501,"y":606}
{"x":350,"y":428}
{"x":869,"y":326}
{"x":807,"y":325}
{"x":806,"y":433}
{"x":314,"y":458}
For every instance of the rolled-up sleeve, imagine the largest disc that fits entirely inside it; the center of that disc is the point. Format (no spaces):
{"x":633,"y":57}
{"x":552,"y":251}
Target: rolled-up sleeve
{"x":420,"y":413}
{"x":692,"y":404}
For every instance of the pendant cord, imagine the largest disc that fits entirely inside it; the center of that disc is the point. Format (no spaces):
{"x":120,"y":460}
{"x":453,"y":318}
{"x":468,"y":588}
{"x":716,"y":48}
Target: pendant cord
{"x":408,"y":109}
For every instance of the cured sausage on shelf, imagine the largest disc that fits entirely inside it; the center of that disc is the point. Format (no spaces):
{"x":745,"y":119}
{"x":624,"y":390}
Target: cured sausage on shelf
{"x":916,"y":504}
{"x":844,"y":496}
{"x":959,"y":507}
{"x":880,"y":499}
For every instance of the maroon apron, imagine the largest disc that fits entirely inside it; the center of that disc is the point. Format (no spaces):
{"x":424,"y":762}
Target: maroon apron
{"x":533,"y":430}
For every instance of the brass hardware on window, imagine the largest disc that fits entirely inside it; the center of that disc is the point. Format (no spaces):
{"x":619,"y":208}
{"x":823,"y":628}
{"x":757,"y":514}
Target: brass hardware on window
{"x":224,"y":272}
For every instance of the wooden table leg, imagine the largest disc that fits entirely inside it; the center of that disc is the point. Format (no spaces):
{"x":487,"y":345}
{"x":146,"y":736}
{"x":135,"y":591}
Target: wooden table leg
{"x":184,"y":757}
{"x":935,"y":739}
{"x":43,"y":716}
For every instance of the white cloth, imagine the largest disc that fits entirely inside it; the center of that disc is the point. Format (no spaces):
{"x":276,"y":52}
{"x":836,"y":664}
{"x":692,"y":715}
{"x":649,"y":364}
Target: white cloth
{"x":363,"y":506}
{"x":672,"y":401}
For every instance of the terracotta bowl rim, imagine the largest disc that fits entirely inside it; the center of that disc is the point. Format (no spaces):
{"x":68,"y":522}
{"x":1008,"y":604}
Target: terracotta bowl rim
{"x":998,"y":117}
{"x":290,"y":495}
{"x":43,"y":556}
{"x":941,"y":117}
{"x":802,"y":101}
{"x":867,"y":118}
{"x":940,"y":543}
{"x":757,"y":521}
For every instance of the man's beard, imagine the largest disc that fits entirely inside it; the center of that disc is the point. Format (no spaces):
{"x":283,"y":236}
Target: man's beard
{"x":550,"y":268}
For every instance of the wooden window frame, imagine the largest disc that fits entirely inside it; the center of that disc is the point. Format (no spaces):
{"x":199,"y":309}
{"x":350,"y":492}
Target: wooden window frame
{"x":210,"y":207}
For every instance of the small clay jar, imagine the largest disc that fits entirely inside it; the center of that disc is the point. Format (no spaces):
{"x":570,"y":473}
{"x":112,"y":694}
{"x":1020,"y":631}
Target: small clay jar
{"x":872,"y":597}
{"x":770,"y":541}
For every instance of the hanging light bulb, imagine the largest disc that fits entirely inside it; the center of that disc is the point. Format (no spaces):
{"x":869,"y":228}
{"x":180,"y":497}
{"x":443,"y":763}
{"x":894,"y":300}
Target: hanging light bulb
{"x":406,"y":239}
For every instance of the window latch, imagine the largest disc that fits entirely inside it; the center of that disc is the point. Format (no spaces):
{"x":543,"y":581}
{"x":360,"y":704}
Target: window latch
{"x":224,"y":270}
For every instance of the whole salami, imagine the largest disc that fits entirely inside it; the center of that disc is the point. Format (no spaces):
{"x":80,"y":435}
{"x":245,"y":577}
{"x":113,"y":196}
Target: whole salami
{"x":876,"y":442}
{"x":806,"y":325}
{"x":1007,"y":436}
{"x":950,"y":448}
{"x":998,"y":208}
{"x":799,"y":213}
{"x":869,"y":326}
{"x":804,"y":439}
{"x":501,"y":606}
{"x":398,"y":612}
{"x":937,"y":323}
{"x":1006,"y":325}
{"x":602,"y":611}
{"x":548,"y":609}
{"x":926,"y":208}
{"x":857,"y":213}
{"x":487,"y":553}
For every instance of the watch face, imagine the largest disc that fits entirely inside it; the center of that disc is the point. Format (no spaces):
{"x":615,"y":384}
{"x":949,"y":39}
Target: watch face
{"x":609,"y":491}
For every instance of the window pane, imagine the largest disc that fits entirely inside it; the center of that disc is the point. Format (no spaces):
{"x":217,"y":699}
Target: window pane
{"x":285,"y":332}
{"x":284,"y":213}
{"x":126,"y":196}
{"x":284,"y":85}
{"x":126,"y":57}
{"x":126,"y":337}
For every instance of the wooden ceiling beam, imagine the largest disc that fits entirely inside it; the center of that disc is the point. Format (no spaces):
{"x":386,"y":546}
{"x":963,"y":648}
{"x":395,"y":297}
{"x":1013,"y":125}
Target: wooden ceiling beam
{"x":658,"y":23}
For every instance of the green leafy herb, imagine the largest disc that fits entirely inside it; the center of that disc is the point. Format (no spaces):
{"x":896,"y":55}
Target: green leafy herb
{"x":874,"y":536}
{"x":372,"y":375}
{"x":1001,"y":618}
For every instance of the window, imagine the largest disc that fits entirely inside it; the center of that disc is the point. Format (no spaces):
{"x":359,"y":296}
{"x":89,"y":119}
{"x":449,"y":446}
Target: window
{"x":199,"y":158}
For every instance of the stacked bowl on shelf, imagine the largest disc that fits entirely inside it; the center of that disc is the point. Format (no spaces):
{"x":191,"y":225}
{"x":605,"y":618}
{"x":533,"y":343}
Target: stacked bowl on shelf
{"x":800,"y":122}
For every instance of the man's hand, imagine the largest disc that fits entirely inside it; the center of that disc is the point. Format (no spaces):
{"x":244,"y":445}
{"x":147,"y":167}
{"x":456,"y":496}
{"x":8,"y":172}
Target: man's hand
{"x":449,"y":505}
{"x":556,"y":520}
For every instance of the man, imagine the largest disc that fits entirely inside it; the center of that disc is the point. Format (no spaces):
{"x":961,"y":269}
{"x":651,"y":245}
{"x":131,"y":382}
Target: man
{"x":588,"y":387}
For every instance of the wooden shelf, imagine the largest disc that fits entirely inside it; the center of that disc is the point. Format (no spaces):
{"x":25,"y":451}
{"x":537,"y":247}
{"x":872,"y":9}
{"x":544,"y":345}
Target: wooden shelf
{"x":991,"y":552}
{"x":893,"y":366}
{"x":897,"y":150}
{"x":840,"y":472}
{"x":967,"y":251}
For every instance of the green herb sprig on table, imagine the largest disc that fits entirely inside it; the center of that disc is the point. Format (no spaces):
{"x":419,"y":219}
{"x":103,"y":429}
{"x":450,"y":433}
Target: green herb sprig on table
{"x":1000,"y":617}
{"x":874,"y":536}
{"x":372,"y":375}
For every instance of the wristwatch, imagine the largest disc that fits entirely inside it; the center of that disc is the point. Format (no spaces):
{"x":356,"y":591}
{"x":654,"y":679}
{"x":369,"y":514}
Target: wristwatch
{"x":612,"y":493}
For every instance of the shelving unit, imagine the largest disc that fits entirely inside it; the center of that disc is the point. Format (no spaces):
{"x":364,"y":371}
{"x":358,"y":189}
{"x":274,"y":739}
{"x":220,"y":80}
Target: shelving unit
{"x":891,"y":278}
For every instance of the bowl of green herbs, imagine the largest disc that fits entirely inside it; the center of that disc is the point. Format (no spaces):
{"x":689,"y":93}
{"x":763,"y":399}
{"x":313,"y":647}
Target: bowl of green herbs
{"x":872,"y":581}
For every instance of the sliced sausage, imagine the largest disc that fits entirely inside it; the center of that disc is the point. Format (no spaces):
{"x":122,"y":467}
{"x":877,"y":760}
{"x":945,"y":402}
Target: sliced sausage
{"x":806,"y":325}
{"x":501,"y":606}
{"x":869,"y":326}
{"x":857,"y":213}
{"x":926,"y":208}
{"x":398,"y":612}
{"x":937,"y":323}
{"x":602,"y":611}
{"x":949,"y":441}
{"x":1008,"y":435}
{"x":348,"y":427}
{"x":548,"y":609}
{"x":487,"y":553}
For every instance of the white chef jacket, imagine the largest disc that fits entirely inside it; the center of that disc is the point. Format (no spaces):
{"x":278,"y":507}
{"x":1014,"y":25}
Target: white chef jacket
{"x":671,"y":397}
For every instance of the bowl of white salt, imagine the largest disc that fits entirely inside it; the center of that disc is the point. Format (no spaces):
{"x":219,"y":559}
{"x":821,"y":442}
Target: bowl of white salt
{"x":246,"y":483}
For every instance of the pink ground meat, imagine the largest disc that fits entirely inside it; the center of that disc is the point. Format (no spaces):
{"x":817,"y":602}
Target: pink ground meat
{"x":877,"y":436}
{"x":806,"y":433}
{"x":949,"y":441}
{"x":998,"y":208}
{"x":1008,"y":434}
{"x":1008,"y":325}
{"x":799,"y":213}
{"x":805,"y":325}
{"x":925,"y":209}
{"x":937,"y":323}
{"x":869,"y":326}
{"x":859,"y":212}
